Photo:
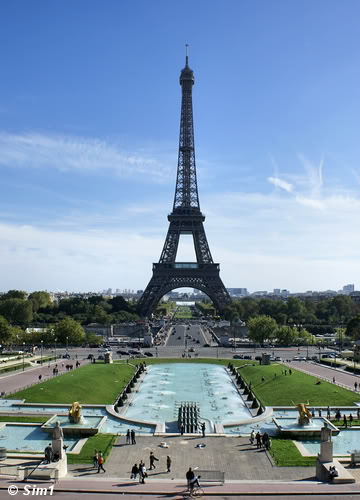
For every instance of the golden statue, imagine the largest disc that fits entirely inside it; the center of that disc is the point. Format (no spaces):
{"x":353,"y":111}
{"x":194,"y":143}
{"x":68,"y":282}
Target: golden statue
{"x":75,"y":412}
{"x":305,"y":416}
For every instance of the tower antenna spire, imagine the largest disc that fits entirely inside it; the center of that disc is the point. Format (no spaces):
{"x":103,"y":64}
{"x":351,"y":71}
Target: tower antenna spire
{"x":187,"y":56}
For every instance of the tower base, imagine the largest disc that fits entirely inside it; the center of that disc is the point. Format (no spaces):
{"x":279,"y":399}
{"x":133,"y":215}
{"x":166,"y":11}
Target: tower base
{"x":169,"y":276}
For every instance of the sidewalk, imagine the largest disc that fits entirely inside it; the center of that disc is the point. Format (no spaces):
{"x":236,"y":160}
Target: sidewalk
{"x":176,"y":487}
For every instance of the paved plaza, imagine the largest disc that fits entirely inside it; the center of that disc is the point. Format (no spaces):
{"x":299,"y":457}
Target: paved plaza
{"x":248,"y":471}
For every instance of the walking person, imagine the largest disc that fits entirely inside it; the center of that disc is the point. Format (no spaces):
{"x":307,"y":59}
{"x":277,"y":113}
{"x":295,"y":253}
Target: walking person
{"x":101,"y":462}
{"x":142,"y":472}
{"x":258,"y":440}
{"x":252,"y":437}
{"x":350,"y":419}
{"x":189,"y":476}
{"x":96,"y":459}
{"x":328,"y":413}
{"x":134,"y":472}
{"x":345,"y":420}
{"x":168,"y":463}
{"x":128,"y":437}
{"x":152,"y":459}
{"x":132,"y":433}
{"x":356,"y":386}
{"x":203,"y":429}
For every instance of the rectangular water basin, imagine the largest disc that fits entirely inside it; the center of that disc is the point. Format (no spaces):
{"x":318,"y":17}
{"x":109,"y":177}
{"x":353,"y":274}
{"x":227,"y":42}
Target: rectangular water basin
{"x":27,"y":438}
{"x":89,"y":426}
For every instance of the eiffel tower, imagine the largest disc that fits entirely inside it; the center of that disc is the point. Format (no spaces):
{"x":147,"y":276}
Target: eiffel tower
{"x":185,"y":218}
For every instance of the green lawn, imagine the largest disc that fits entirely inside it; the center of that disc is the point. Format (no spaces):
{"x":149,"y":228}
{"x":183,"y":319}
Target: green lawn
{"x":286,"y":454}
{"x":299,"y":387}
{"x":99,"y":442}
{"x":97,"y":383}
{"x":183,"y":312}
{"x":26,"y":420}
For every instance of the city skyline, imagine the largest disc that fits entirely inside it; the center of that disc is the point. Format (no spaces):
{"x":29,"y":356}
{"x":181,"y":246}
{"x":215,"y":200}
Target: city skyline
{"x":89,"y":121}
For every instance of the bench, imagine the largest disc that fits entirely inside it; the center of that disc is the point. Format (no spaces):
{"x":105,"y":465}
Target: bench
{"x":344,"y":475}
{"x":207,"y":476}
{"x":355,"y":457}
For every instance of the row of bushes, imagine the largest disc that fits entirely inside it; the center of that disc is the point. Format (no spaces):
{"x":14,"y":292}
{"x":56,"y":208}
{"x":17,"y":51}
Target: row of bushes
{"x":247,"y":390}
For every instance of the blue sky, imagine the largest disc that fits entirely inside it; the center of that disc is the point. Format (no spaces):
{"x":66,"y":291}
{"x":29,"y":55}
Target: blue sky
{"x":89,"y":123}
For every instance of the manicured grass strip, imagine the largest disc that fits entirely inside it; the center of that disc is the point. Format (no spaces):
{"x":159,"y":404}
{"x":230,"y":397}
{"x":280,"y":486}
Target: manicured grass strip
{"x":99,"y":442}
{"x":26,"y":420}
{"x":279,"y":389}
{"x":13,"y":368}
{"x":97,"y":383}
{"x":286,"y":454}
{"x":340,"y":423}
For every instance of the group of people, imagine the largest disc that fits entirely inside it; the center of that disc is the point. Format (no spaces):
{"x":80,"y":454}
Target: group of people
{"x":130,"y":437}
{"x":262,"y":441}
{"x":140,"y":470}
{"x":98,"y":460}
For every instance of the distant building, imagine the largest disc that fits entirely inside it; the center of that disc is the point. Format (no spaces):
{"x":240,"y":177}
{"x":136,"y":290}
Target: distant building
{"x":347,"y":289}
{"x":276,"y":291}
{"x":238,"y":292}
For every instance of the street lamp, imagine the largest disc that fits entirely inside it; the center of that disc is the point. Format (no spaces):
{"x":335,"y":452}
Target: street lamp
{"x":23,"y":356}
{"x":67,"y":344}
{"x":55,"y":350}
{"x":42,"y":342}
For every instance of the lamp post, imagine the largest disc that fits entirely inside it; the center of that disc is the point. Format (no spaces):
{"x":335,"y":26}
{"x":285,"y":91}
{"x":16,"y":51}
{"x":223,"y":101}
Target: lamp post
{"x":55,"y":350}
{"x":42,"y":342}
{"x":23,"y":356}
{"x":67,"y":344}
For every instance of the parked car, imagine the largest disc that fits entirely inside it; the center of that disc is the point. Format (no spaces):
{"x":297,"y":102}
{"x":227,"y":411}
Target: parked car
{"x":91,"y":356}
{"x":278,"y":358}
{"x":66,"y":356}
{"x":206,"y":345}
{"x":101,"y":357}
{"x":149,"y":354}
{"x":296,"y":358}
{"x":192,"y":349}
{"x":238,"y":356}
{"x":248,"y":356}
{"x":122,"y":353}
{"x":258,"y":358}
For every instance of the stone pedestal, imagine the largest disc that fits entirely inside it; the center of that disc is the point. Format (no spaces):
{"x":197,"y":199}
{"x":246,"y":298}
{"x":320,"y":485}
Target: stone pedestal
{"x":57,"y":446}
{"x":108,"y":357}
{"x":326,"y":451}
{"x":325,"y":456}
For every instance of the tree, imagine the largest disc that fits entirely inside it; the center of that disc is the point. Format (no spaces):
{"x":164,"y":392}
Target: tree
{"x":261,"y":328}
{"x":16,"y":311}
{"x":353,"y":328}
{"x":39,"y":300}
{"x":13,"y":294}
{"x":286,"y":335}
{"x":250,"y":306}
{"x":93,"y":339}
{"x":68,"y":331}
{"x":5,"y":331}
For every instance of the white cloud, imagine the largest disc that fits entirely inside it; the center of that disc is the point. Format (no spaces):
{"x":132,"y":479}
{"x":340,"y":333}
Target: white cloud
{"x":281,"y":184}
{"x":61,"y":152}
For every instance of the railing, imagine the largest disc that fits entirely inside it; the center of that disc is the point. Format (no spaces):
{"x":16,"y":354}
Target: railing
{"x":216,"y":476}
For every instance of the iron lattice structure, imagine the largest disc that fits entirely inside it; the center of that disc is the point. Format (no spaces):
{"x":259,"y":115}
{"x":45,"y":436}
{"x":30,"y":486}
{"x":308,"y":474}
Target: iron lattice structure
{"x":185,"y":218}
